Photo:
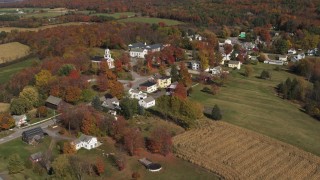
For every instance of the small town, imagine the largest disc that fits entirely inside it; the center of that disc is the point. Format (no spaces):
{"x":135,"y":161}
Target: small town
{"x":139,"y":90}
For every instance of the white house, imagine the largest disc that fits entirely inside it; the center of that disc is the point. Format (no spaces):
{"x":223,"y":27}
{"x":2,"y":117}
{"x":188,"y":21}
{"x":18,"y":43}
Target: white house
{"x":234,"y":64}
{"x":195,"y":65}
{"x":148,"y":87}
{"x":298,"y":57}
{"x":148,"y":102}
{"x":292,"y":51}
{"x":110,"y":60}
{"x":136,"y":94}
{"x":215,"y":71}
{"x":87,"y":142}
{"x":137,"y":52}
{"x":275,"y":62}
{"x":20,"y":120}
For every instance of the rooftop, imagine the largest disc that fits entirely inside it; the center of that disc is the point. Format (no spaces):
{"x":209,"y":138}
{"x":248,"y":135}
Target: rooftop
{"x":148,"y":84}
{"x":53,"y":100}
{"x":148,"y":99}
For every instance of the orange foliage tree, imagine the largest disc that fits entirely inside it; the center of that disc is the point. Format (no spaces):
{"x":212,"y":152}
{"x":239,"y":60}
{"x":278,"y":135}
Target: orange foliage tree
{"x":180,"y":91}
{"x":68,"y":148}
{"x":100,"y":166}
{"x":6,"y":121}
{"x":160,"y":141}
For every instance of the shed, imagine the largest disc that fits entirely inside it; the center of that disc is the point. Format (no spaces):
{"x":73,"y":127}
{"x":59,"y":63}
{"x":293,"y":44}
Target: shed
{"x":53,"y":102}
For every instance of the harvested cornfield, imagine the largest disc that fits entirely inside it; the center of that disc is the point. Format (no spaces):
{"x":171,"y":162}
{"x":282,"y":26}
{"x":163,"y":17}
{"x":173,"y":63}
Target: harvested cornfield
{"x":236,"y":153}
{"x":13,"y":51}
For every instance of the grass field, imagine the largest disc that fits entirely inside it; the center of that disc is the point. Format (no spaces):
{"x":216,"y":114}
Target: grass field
{"x":13,"y":51}
{"x":116,"y":15}
{"x":9,"y":29}
{"x":252,"y":103}
{"x":151,"y":20}
{"x":8,"y":71}
{"x":4,"y":107}
{"x":237,"y":153}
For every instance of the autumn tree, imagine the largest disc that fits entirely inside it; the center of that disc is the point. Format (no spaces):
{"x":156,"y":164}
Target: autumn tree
{"x":185,"y":76}
{"x":160,"y":141}
{"x":30,"y":94}
{"x":116,"y":89}
{"x":88,"y":125}
{"x":42,"y":111}
{"x":102,"y":82}
{"x":227,"y":48}
{"x":61,"y":167}
{"x":66,"y":69}
{"x":133,"y":141}
{"x":15,"y":164}
{"x":180,"y":91}
{"x":6,"y":121}
{"x":69,"y":148}
{"x":248,"y":70}
{"x":43,"y":79}
{"x":72,"y":94}
{"x":100,"y":166}
{"x":20,"y":106}
{"x":204,"y":59}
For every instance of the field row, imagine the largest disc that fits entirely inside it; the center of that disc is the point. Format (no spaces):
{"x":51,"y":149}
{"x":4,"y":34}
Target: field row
{"x":236,"y":153}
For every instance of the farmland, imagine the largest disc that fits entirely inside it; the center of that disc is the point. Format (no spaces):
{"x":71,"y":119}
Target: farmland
{"x":13,"y":51}
{"x":151,"y":20}
{"x":252,"y":103}
{"x":9,"y":29}
{"x":236,"y":153}
{"x":116,"y":15}
{"x":8,"y":71}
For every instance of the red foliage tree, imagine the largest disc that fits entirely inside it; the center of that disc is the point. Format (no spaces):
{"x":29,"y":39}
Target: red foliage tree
{"x":100,"y":166}
{"x":160,"y":141}
{"x":72,"y":94}
{"x":180,"y":91}
{"x":133,"y":141}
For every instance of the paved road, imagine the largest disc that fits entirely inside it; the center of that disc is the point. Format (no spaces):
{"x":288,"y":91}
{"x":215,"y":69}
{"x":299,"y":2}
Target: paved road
{"x":18,"y":132}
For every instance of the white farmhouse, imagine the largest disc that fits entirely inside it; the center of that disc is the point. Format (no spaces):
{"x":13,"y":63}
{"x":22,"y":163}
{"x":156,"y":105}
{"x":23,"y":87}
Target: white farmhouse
{"x":148,"y":102}
{"x":20,"y":120}
{"x":87,"y":142}
{"x":137,"y":52}
{"x":136,"y":94}
{"x":234,"y":64}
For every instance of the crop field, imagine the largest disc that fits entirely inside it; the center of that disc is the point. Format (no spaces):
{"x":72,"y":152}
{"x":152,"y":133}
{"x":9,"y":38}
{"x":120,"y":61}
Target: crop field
{"x":168,"y":22}
{"x":253,"y":103}
{"x":13,"y":51}
{"x":236,"y":153}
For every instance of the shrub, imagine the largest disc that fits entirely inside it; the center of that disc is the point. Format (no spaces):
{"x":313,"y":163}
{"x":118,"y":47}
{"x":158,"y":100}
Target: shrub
{"x":216,"y":114}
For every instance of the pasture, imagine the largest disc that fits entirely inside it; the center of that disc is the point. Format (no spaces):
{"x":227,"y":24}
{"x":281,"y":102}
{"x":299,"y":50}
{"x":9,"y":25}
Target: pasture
{"x":148,"y":20}
{"x":116,"y":15}
{"x":9,"y":29}
{"x":236,"y":153}
{"x":8,"y":71}
{"x":13,"y":51}
{"x":253,"y":103}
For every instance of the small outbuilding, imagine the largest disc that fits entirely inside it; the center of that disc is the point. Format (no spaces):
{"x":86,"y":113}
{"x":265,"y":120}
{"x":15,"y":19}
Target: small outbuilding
{"x":36,"y":157}
{"x":53,"y":102}
{"x":32,"y":135}
{"x":153,"y":167}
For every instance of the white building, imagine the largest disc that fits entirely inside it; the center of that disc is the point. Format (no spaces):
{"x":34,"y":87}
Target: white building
{"x":283,"y":57}
{"x":136,"y":94}
{"x":148,"y":87}
{"x":148,"y":102}
{"x":137,"y":52}
{"x":20,"y":120}
{"x":292,"y":51}
{"x":275,"y":62}
{"x":110,"y":60}
{"x":87,"y":142}
{"x":298,"y":57}
{"x":234,"y":64}
{"x":215,"y":71}
{"x":195,"y":65}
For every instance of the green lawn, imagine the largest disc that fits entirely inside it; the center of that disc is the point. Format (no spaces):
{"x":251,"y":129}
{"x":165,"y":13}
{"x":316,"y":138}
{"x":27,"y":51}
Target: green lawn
{"x":252,"y":103}
{"x":116,"y":15}
{"x":151,"y":20}
{"x":8,"y":71}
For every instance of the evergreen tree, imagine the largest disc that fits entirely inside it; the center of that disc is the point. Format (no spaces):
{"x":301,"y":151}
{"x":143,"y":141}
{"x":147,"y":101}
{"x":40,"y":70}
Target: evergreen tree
{"x":141,"y":110}
{"x":96,"y":103}
{"x":15,"y":164}
{"x":174,"y":73}
{"x":216,"y":114}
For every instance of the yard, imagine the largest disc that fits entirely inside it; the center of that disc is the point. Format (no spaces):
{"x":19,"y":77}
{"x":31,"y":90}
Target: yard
{"x":253,"y":103}
{"x":168,"y":22}
{"x":8,"y":71}
{"x":13,"y":51}
{"x":9,"y":29}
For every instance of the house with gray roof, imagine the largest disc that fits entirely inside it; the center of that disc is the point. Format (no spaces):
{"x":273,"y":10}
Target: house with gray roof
{"x":148,"y":102}
{"x":53,"y":102}
{"x":32,"y":135}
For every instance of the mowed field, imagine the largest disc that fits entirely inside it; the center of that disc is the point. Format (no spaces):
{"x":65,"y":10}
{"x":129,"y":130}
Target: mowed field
{"x":9,"y":29}
{"x":237,"y":153}
{"x":8,"y":71}
{"x":168,"y":22}
{"x":253,"y":103}
{"x":13,"y":51}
